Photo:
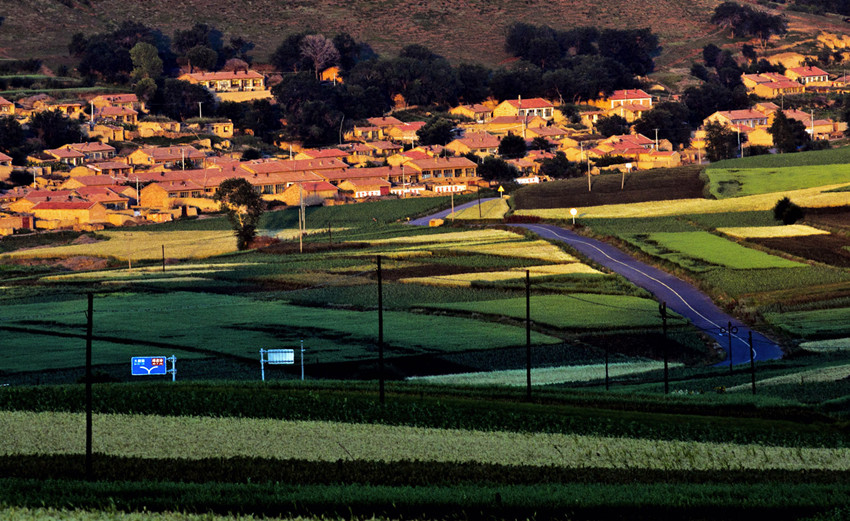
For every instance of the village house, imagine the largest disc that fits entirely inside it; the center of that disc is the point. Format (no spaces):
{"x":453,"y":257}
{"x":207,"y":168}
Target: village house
{"x":104,"y":195}
{"x":9,"y":224}
{"x":64,"y":214}
{"x":436,"y":168}
{"x":106,"y":132}
{"x":157,"y":126}
{"x":405,"y":132}
{"x":808,"y":76}
{"x":119,"y":115}
{"x":311,"y":193}
{"x":322,"y":153}
{"x":363,"y":188}
{"x":71,"y":109}
{"x":525,"y":108}
{"x":477,"y":112}
{"x":5,"y":166}
{"x":364,"y":133}
{"x":130,"y":101}
{"x":771,"y":85}
{"x":7,"y":108}
{"x":170,"y":194}
{"x":383,"y":149}
{"x":481,"y":144}
{"x":553,"y":134}
{"x":166,"y":157}
{"x":504,"y":125}
{"x":33,"y":197}
{"x":408,"y":155}
{"x":237,"y":86}
{"x":447,"y":186}
{"x":105,"y":168}
{"x":747,"y":117}
{"x":628,"y":97}
{"x":227,"y":81}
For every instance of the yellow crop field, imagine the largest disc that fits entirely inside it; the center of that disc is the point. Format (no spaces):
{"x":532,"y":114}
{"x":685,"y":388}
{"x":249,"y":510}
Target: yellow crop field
{"x":545,"y":375}
{"x":466,"y":237}
{"x":809,"y":197}
{"x":27,"y":432}
{"x":493,"y":209}
{"x":466,"y":279}
{"x":766,"y":232}
{"x":185,"y":271}
{"x":488,"y":242}
{"x":142,"y":245}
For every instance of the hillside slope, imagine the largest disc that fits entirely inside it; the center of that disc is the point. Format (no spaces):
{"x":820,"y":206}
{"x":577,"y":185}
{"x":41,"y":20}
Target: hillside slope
{"x":462,"y":30}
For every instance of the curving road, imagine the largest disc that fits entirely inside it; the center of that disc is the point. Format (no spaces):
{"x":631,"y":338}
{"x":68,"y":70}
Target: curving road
{"x":680,"y":296}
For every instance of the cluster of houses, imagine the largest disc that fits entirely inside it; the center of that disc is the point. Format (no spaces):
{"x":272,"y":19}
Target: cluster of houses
{"x":96,"y":185}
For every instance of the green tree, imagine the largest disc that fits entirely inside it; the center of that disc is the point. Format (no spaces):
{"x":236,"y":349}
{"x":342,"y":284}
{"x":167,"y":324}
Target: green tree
{"x":497,"y":169}
{"x":560,"y":166}
{"x":436,"y":131}
{"x":612,"y":126}
{"x":54,"y":129}
{"x":512,"y":146}
{"x":11,"y":135}
{"x":787,"y":212}
{"x":788,"y":134}
{"x":202,"y":57}
{"x":721,"y":142}
{"x":179,"y":99}
{"x":145,"y":89}
{"x":671,"y":120}
{"x":146,"y":61}
{"x":541,"y":143}
{"x":243,"y":206}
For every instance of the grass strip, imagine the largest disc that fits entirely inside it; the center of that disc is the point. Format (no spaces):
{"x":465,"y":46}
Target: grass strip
{"x":571,"y":501}
{"x":412,"y":473}
{"x":733,"y":418}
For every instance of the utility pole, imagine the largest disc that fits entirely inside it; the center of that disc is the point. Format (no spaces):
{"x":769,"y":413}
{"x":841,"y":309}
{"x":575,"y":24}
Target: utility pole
{"x":528,"y":335}
{"x":663,"y":310}
{"x":89,"y":323}
{"x":380,"y":334}
{"x":200,"y":113}
{"x":752,"y":362}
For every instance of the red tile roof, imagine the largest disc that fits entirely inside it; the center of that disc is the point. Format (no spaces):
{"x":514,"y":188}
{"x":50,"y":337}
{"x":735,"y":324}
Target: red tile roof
{"x":74,"y":205}
{"x":530,"y":103}
{"x":629,"y":94}
{"x":223,"y":75}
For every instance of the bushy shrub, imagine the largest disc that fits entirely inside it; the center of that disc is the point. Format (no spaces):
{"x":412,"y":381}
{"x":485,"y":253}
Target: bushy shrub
{"x":787,"y":212}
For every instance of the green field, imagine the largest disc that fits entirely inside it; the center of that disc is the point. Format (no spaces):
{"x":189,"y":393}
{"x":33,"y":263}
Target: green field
{"x":703,"y":250}
{"x":833,"y":156}
{"x":577,"y":310}
{"x":737,"y":182}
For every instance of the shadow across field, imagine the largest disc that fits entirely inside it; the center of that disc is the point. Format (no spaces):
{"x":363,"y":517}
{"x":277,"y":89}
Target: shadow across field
{"x":650,"y":185}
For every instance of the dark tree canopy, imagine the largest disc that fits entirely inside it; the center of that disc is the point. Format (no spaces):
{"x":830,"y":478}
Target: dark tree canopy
{"x":107,"y":55}
{"x":512,"y":147}
{"x":788,"y":134}
{"x":560,"y":167}
{"x":436,"y":131}
{"x":497,"y":169}
{"x":671,"y":120}
{"x":179,"y":99}
{"x":243,"y":206}
{"x":612,"y":126}
{"x":721,"y":142}
{"x":53,"y":129}
{"x":744,"y":20}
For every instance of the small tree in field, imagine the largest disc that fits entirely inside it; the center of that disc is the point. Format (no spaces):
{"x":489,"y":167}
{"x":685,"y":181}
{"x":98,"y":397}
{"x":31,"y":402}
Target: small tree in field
{"x":243,"y":206}
{"x":787,"y":212}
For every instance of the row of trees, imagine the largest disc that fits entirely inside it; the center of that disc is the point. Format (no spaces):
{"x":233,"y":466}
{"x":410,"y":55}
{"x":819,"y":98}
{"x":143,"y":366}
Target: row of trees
{"x":746,"y":21}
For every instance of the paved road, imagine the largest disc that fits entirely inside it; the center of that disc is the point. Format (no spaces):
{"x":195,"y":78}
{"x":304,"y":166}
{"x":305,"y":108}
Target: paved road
{"x":681,"y":297}
{"x":423,"y":221}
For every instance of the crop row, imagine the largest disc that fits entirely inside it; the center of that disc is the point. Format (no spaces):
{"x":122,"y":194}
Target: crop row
{"x":203,"y":437}
{"x":640,"y":502}
{"x":756,"y":420}
{"x":394,"y":473}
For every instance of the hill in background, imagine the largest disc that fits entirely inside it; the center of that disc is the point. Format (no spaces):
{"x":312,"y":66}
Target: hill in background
{"x":461,"y":30}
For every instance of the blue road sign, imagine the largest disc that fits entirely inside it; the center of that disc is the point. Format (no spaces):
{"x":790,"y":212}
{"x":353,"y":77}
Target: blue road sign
{"x":147,"y":365}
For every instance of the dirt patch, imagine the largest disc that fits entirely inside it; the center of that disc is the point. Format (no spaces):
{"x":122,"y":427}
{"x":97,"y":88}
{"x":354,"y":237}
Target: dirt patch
{"x":85,"y":239}
{"x":828,"y":249}
{"x":285,"y":248}
{"x":835,"y":217}
{"x":651,"y":185}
